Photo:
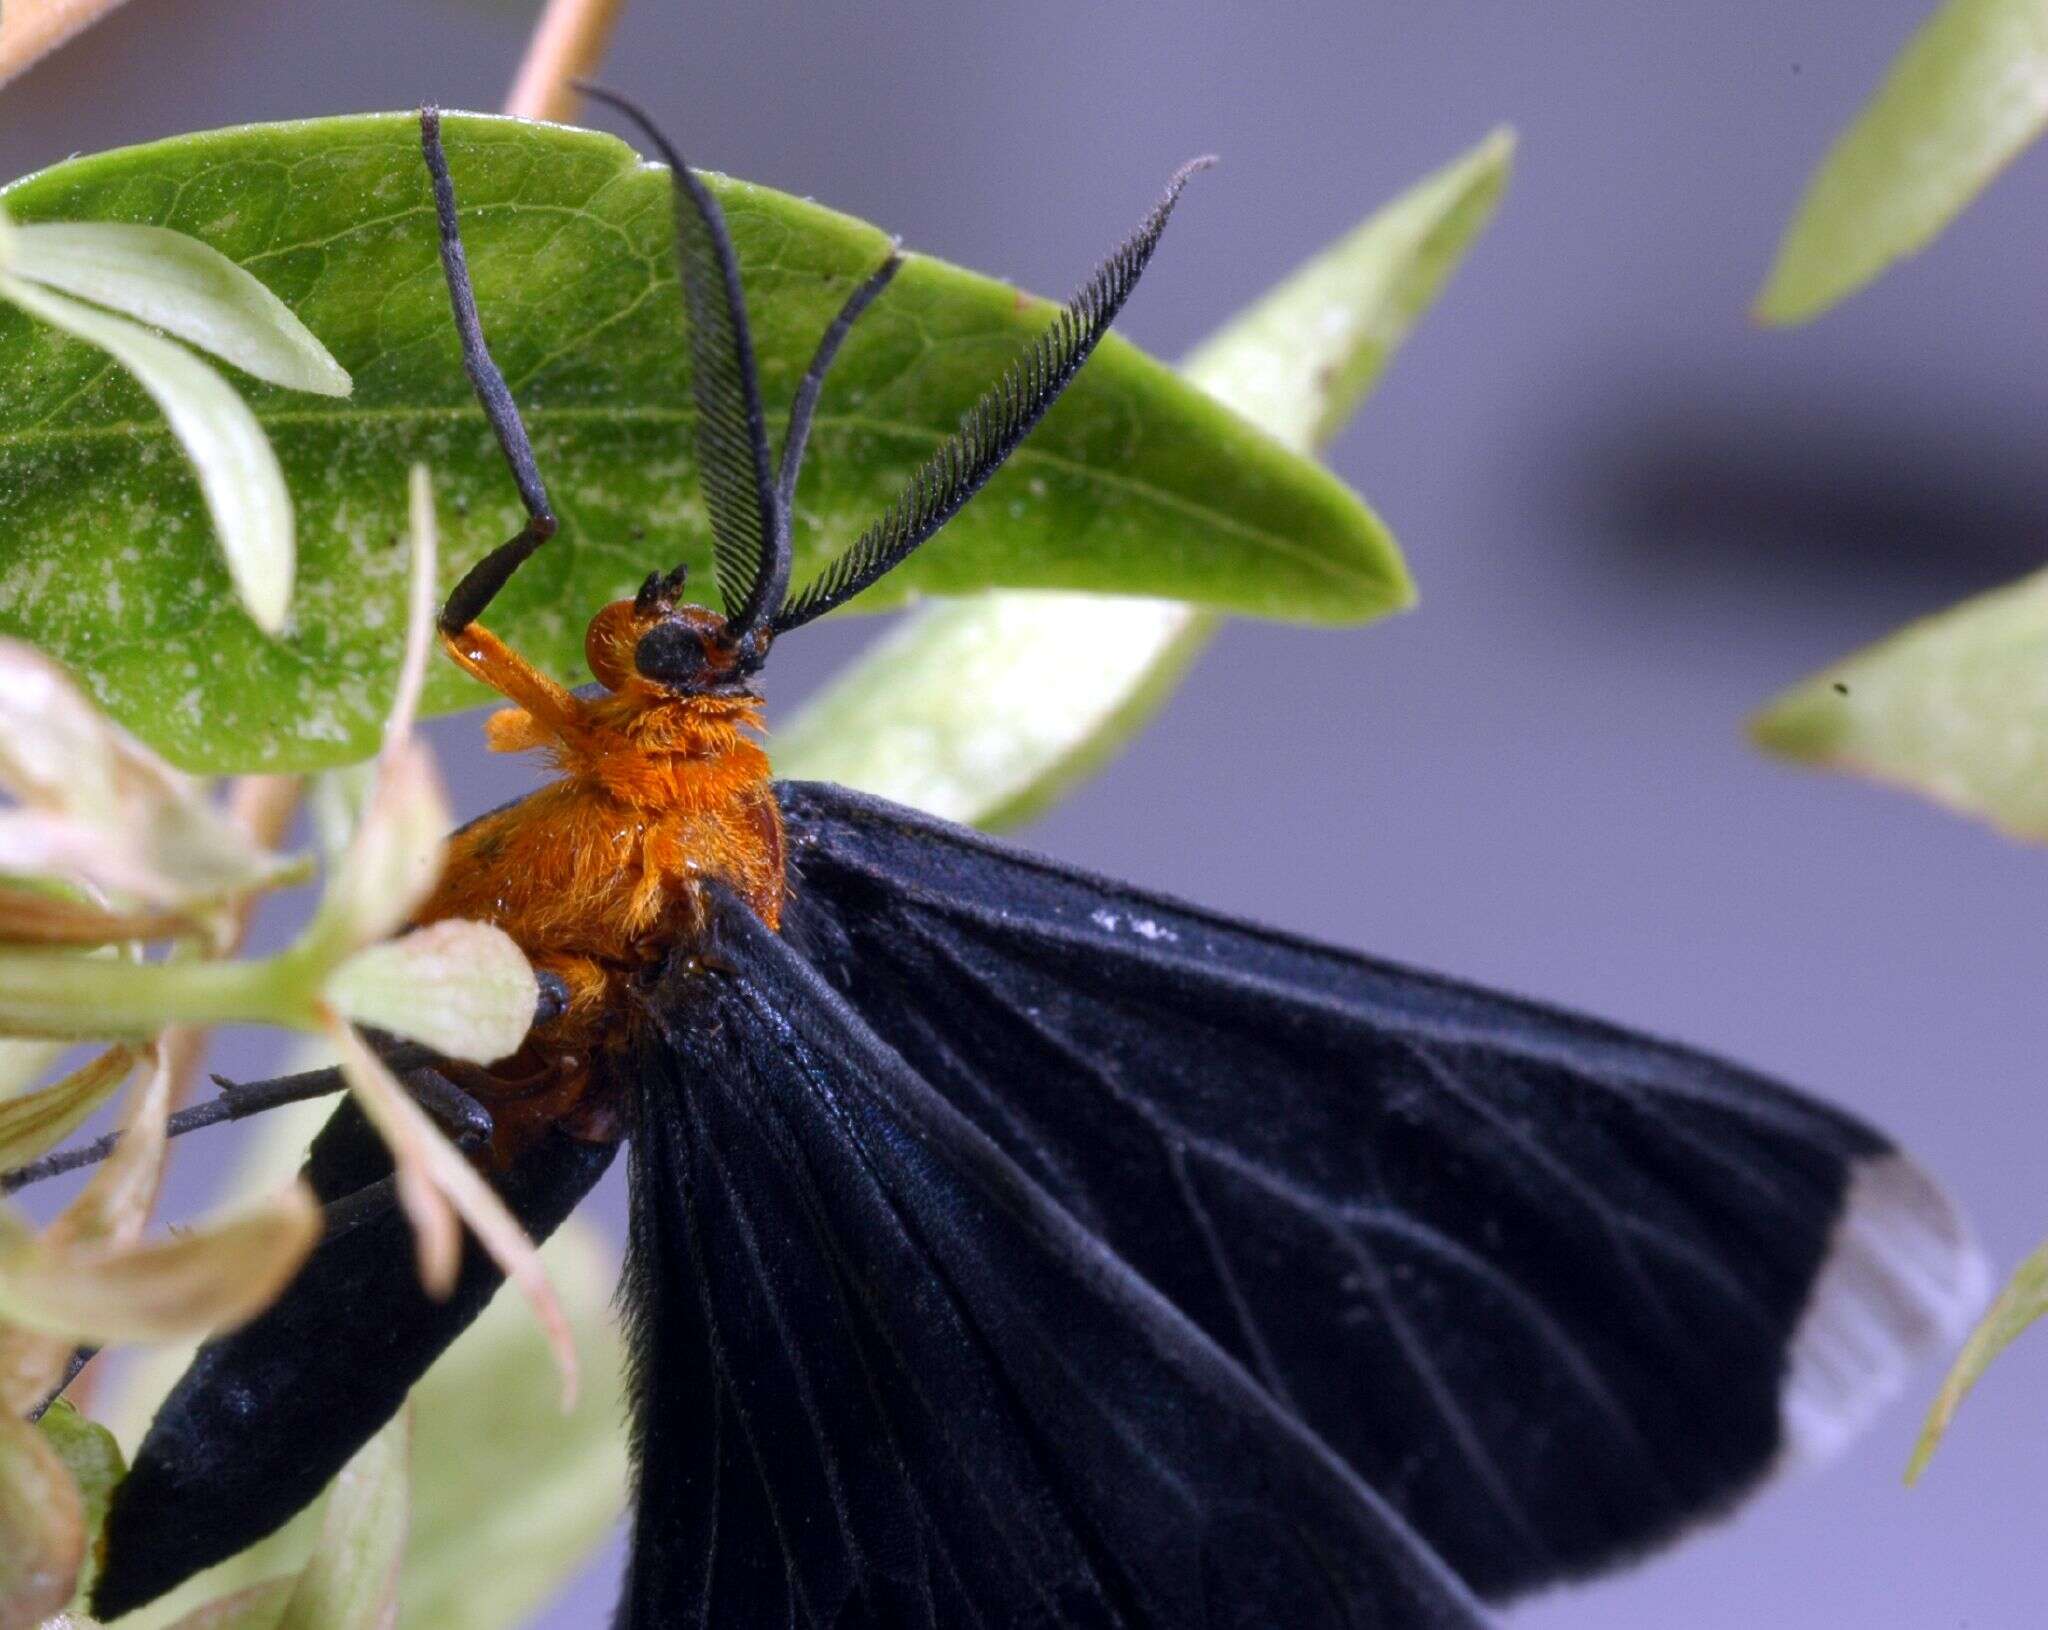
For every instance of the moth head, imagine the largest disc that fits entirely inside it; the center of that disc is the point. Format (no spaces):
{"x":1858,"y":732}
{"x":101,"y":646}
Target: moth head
{"x":659,"y":640}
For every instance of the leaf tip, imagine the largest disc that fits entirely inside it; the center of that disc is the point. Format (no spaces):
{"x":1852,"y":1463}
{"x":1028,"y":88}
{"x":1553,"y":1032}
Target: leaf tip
{"x":1805,"y":723}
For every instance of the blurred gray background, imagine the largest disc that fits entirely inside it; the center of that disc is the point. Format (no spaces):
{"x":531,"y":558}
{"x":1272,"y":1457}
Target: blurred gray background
{"x":1633,"y":517}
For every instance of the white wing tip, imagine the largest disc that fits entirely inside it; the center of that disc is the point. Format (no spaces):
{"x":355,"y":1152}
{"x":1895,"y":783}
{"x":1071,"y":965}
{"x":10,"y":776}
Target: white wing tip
{"x":1901,"y":1283}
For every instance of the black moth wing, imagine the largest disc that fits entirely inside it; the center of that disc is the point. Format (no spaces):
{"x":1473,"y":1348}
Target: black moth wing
{"x":267,"y":1414}
{"x":1553,"y":1289}
{"x":880,"y":1380}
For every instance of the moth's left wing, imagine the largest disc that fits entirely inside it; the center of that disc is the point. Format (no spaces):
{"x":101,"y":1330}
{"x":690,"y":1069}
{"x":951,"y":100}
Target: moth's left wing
{"x":269,"y":1413}
{"x":883,"y":1383}
{"x":1554,"y":1289}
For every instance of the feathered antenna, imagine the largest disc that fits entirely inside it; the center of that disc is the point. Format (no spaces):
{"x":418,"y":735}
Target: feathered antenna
{"x":992,"y":428}
{"x":749,"y":534}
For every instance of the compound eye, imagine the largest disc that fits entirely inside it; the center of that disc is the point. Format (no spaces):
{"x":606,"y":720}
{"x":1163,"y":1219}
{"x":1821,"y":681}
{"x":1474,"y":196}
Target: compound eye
{"x":674,"y":655}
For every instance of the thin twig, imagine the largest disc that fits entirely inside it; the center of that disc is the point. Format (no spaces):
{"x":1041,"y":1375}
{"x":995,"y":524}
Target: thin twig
{"x":80,"y":1357}
{"x":568,"y":43}
{"x":234,"y":1104}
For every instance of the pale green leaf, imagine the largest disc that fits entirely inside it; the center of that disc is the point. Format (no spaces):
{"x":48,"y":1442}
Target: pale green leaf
{"x":2023,"y":1300}
{"x":172,"y":281}
{"x":351,"y":1580}
{"x":499,"y":1470}
{"x":984,"y":710}
{"x":254,"y":1607}
{"x":462,"y":988}
{"x":1967,"y":93}
{"x":393,"y":857}
{"x":238,"y":473}
{"x":1954,"y":706}
{"x":987,"y":709}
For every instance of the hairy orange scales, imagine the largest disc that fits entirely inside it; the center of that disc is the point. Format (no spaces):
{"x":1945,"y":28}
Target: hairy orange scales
{"x":597,"y":875}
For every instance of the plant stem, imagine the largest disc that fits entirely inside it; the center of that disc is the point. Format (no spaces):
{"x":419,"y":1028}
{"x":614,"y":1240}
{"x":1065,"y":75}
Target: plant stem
{"x":86,"y":997}
{"x":568,"y":43}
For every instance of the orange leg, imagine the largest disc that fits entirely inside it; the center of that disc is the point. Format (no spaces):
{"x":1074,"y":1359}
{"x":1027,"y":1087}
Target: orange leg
{"x":483,"y":656}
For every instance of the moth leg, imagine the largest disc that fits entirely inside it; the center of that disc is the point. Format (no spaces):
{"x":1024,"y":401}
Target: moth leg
{"x":489,"y":660}
{"x":458,"y":1111}
{"x":365,"y":1204}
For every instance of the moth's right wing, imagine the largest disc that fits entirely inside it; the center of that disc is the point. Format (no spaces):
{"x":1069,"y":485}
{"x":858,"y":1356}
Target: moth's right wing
{"x":1556,"y":1290}
{"x":881,"y":1380}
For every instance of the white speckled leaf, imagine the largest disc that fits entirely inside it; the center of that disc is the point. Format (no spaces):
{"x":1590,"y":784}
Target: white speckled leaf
{"x":1136,"y":482}
{"x":238,"y":474}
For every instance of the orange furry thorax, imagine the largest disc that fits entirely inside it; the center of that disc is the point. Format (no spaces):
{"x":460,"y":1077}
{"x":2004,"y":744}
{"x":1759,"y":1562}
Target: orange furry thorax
{"x":597,"y":876}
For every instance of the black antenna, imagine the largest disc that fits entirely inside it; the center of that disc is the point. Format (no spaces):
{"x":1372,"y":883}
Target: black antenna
{"x":480,"y":585}
{"x":805,"y":402}
{"x":992,"y":428}
{"x":751,"y":540}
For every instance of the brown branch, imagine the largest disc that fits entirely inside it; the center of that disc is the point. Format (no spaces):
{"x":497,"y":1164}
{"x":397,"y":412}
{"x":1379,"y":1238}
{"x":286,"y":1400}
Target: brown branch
{"x":568,"y":43}
{"x":30,"y":29}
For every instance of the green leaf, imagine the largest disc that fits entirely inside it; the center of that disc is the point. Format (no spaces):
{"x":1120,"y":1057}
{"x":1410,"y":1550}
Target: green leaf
{"x":238,"y":474}
{"x":93,"y":1458}
{"x":2023,"y":1300}
{"x":987,"y":709}
{"x":1135,"y":483}
{"x":180,"y":285}
{"x":1967,"y":93}
{"x":1954,"y":706}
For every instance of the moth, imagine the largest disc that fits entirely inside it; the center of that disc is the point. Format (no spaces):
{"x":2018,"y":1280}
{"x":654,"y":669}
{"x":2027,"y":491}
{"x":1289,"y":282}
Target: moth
{"x":1013,"y":1247}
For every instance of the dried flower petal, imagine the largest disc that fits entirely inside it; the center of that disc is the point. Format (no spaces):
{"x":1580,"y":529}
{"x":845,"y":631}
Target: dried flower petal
{"x":42,"y":1527}
{"x":204,"y":1280}
{"x":40,"y":1120}
{"x":31,"y":28}
{"x":99,"y":806}
{"x":394,"y":858}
